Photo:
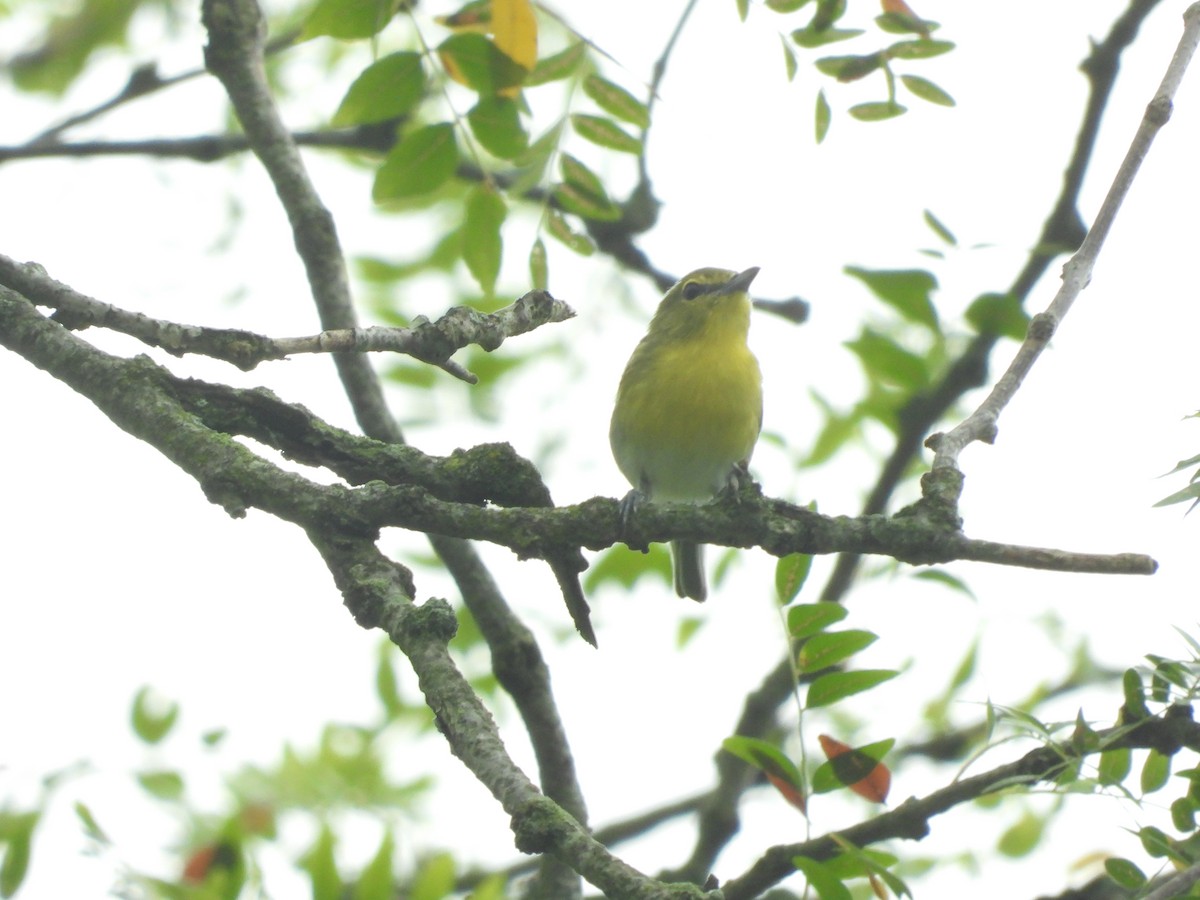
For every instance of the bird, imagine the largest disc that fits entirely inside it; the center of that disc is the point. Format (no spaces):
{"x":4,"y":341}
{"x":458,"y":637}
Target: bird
{"x":689,"y":405}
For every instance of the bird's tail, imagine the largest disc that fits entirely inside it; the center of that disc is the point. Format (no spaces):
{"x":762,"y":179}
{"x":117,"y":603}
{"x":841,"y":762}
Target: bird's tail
{"x":689,"y":570}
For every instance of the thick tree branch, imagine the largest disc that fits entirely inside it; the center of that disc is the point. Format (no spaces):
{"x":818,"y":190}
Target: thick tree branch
{"x":431,"y":342}
{"x":379,"y":594}
{"x":748,"y":520}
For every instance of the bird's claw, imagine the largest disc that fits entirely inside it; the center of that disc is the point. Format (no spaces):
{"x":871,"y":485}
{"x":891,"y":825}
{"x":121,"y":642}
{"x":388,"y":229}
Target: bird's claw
{"x":629,"y":504}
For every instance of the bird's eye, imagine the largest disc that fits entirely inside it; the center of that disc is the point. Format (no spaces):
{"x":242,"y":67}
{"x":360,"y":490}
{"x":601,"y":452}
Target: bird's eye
{"x":691,"y":290}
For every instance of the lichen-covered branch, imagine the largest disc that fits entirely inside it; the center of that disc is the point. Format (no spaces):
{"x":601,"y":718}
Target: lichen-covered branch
{"x":431,"y":342}
{"x":137,"y":394}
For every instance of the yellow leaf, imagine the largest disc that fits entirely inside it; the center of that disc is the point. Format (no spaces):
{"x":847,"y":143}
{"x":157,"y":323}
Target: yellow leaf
{"x":515,"y":30}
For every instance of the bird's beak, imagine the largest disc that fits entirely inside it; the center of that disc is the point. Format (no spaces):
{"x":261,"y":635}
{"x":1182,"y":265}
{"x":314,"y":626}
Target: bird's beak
{"x":739,"y":282}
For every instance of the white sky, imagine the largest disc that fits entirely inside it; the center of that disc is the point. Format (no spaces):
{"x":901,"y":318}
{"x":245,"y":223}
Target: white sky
{"x":118,"y":573}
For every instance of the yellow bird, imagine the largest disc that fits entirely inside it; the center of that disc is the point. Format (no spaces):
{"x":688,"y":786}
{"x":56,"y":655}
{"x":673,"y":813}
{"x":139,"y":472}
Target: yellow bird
{"x":689,"y":406}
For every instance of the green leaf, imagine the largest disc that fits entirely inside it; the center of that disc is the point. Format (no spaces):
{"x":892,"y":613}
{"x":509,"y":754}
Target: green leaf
{"x":377,"y":881}
{"x":66,"y":41}
{"x":496,"y":123}
{"x":858,"y":862}
{"x":617,"y":101}
{"x":163,"y":784}
{"x":532,"y":161}
{"x":321,"y":865}
{"x":561,"y":231}
{"x":560,"y":65}
{"x":806,"y":619}
{"x":539,"y":267}
{"x":90,"y":826}
{"x":1114,"y":765}
{"x":836,"y":686}
{"x":585,"y":205}
{"x":743,"y":9}
{"x":482,"y":244}
{"x":790,"y":65}
{"x":918,"y":49}
{"x":1155,"y":842}
{"x":576,"y":173}
{"x":605,"y":133}
{"x":421,"y":162}
{"x":877,"y":112}
{"x":583,"y":193}
{"x":434,"y":880}
{"x":790,"y":574}
{"x":623,"y":567}
{"x":899,"y":23}
{"x":491,"y":888}
{"x":998,"y":314}
{"x":1135,"y":708}
{"x":1155,"y":772}
{"x":385,"y":89}
{"x":827,"y":885}
{"x":850,"y":68}
{"x":1180,"y":466}
{"x":348,"y":19}
{"x":810,"y":37}
{"x":1124,"y":872}
{"x":927,"y":90}
{"x":850,"y":767}
{"x":152,"y":717}
{"x":17,"y":830}
{"x":387,"y":689}
{"x":1183,"y":814}
{"x":887,"y":362}
{"x":828,"y":648}
{"x":944,"y":578}
{"x":1020,"y":838}
{"x":768,"y":759}
{"x":939,"y":228}
{"x":479,"y":63}
{"x":785,"y":6}
{"x":908,"y":291}
{"x":1191,"y":492}
{"x":823,"y":116}
{"x":687,"y":630}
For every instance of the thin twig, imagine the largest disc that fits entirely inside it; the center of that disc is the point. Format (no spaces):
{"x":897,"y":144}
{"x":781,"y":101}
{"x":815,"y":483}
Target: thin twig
{"x":1077,"y":273}
{"x":143,"y":81}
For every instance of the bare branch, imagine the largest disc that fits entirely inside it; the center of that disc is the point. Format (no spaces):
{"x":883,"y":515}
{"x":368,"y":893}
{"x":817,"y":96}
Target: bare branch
{"x":431,"y":342}
{"x":1077,"y":273}
{"x":143,"y":81}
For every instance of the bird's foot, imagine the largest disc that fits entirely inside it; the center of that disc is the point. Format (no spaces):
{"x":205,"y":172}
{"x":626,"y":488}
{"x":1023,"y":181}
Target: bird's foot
{"x":739,"y":477}
{"x":629,"y":504}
